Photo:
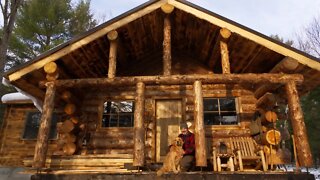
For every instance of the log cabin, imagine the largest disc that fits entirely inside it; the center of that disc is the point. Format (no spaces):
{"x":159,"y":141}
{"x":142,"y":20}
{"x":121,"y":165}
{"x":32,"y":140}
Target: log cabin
{"x":116,"y":95}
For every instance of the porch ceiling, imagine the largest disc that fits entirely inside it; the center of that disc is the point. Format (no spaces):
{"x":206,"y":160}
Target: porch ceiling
{"x":194,"y":51}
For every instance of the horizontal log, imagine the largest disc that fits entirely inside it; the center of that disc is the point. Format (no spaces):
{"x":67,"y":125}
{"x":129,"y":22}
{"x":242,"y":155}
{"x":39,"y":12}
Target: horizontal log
{"x":227,"y":133}
{"x":111,"y":151}
{"x":181,"y":79}
{"x":114,"y":143}
{"x":117,"y":134}
{"x":268,"y":100}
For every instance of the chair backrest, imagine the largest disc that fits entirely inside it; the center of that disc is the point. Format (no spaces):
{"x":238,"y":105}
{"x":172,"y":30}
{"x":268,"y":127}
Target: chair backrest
{"x":246,"y":145}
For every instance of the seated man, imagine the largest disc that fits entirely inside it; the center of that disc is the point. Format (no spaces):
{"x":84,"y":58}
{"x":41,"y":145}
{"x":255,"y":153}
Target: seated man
{"x":187,"y":161}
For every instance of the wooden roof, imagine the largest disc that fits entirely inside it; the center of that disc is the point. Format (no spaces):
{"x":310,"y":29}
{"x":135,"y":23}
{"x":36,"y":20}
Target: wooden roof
{"x":194,"y":48}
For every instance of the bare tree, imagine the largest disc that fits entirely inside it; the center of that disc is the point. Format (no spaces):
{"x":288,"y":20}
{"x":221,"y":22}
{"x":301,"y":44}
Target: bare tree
{"x":9,"y":12}
{"x":309,"y":39}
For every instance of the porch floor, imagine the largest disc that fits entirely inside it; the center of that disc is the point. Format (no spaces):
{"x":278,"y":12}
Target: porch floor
{"x":182,"y":176}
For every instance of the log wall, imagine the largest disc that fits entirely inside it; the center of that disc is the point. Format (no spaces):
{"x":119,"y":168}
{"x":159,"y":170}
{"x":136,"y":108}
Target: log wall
{"x":13,"y":148}
{"x":104,"y":140}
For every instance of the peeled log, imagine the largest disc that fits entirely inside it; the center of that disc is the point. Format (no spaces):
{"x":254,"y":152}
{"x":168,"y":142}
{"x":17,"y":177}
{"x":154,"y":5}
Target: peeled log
{"x":268,"y":100}
{"x":272,"y":137}
{"x":112,"y":151}
{"x":53,"y":76}
{"x":69,"y":148}
{"x":109,"y":144}
{"x":50,"y":67}
{"x":69,"y":109}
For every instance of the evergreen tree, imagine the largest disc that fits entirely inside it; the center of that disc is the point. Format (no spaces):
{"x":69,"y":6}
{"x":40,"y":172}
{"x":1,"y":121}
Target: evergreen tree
{"x":44,"y":24}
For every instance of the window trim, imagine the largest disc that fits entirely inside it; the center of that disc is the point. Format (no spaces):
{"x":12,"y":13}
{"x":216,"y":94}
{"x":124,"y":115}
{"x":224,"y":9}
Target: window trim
{"x":238,"y":111}
{"x":25,"y":125}
{"x":101,"y":109}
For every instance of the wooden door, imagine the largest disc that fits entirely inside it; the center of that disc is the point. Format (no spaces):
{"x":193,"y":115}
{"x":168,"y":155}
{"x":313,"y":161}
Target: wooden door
{"x":168,"y":116}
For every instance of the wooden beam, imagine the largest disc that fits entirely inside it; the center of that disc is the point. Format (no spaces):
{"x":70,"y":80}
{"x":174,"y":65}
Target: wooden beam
{"x":225,"y":34}
{"x":167,"y":46}
{"x":298,"y":125}
{"x":139,"y":134}
{"x":181,"y":80}
{"x":268,"y":100}
{"x":287,"y":65}
{"x":44,"y":129}
{"x":200,"y":140}
{"x":112,"y":36}
{"x":86,"y":40}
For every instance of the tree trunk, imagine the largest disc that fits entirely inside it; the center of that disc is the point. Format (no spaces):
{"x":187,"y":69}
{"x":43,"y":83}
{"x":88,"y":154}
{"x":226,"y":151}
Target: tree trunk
{"x":200,"y":140}
{"x":44,"y":129}
{"x":298,"y":126}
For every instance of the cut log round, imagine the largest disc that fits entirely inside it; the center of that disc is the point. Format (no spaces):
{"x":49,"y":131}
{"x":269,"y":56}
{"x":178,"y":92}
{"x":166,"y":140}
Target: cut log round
{"x":66,"y":95}
{"x":74,"y":119}
{"x":50,"y":67}
{"x":167,"y":8}
{"x":270,"y":116}
{"x":225,"y":33}
{"x":268,"y":151}
{"x":112,"y":35}
{"x":69,"y":148}
{"x":67,"y":126}
{"x":68,"y":137}
{"x":272,"y":137}
{"x":69,"y":109}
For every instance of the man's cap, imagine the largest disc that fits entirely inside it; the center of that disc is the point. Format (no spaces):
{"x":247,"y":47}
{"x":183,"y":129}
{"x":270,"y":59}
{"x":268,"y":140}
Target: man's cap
{"x":183,"y":125}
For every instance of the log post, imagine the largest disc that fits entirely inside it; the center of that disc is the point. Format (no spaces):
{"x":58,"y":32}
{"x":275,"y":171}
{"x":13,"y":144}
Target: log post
{"x":112,"y":36}
{"x":138,"y":136}
{"x":44,"y":129}
{"x":167,"y":46}
{"x":225,"y":34}
{"x":200,"y":141}
{"x":298,"y":125}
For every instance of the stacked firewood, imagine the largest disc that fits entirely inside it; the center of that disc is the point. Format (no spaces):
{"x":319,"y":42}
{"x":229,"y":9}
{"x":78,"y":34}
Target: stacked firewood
{"x":270,"y":135}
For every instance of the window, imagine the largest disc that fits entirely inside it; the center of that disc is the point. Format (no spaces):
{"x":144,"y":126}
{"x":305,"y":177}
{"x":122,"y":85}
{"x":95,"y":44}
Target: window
{"x":118,"y":114}
{"x":220,"y":111}
{"x":33,"y":123}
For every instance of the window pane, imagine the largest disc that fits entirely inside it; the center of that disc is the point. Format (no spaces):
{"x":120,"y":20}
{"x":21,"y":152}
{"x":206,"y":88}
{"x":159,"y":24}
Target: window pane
{"x":227,"y":104}
{"x":113,"y":121}
{"x":229,"y":118}
{"x":118,"y":114}
{"x":211,"y":119}
{"x":126,"y":120}
{"x":210,"y":104}
{"x":33,"y":123}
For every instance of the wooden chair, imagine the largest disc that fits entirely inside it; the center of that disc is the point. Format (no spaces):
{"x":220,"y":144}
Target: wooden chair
{"x":222,"y":159}
{"x":247,"y":151}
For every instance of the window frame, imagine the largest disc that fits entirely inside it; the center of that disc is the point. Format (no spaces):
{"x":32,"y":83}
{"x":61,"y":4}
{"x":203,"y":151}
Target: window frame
{"x":237,"y":110}
{"x":101,"y":114}
{"x":35,"y":138}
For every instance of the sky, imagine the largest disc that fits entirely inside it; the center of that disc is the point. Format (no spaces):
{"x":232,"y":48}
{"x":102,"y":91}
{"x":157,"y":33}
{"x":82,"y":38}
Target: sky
{"x":282,"y":17}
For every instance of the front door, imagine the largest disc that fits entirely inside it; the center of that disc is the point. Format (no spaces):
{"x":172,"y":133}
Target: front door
{"x":169,"y":115}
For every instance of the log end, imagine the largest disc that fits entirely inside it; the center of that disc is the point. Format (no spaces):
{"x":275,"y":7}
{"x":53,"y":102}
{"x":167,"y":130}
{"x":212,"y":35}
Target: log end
{"x":112,"y":35}
{"x":225,"y":33}
{"x":167,"y":8}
